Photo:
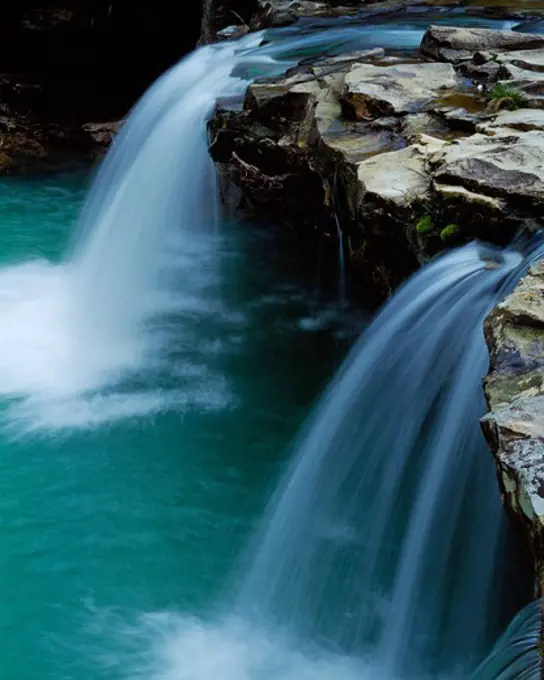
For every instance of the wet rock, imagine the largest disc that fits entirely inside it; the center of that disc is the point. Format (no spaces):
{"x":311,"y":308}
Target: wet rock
{"x":418,"y":124}
{"x":398,"y":178}
{"x":101,"y":135}
{"x":520,"y":77}
{"x":449,"y":43}
{"x":232,"y":32}
{"x":514,"y":390}
{"x":373,"y":91}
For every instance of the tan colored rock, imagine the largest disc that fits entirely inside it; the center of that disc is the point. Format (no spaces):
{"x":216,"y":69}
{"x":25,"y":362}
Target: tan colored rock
{"x":452,"y":43}
{"x":528,"y":60}
{"x":417,"y":124}
{"x":521,"y":119}
{"x":398,"y":177}
{"x":373,"y":91}
{"x":509,"y":165}
{"x":515,"y":335}
{"x":515,"y":393}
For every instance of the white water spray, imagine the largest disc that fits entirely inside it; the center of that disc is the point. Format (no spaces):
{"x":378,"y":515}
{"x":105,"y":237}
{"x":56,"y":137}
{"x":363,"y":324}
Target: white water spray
{"x":73,"y":333}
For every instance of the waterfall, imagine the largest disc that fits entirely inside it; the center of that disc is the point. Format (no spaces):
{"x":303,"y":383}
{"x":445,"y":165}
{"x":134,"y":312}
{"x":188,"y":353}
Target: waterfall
{"x":75,"y":336}
{"x":342,"y":275}
{"x":382,"y":539}
{"x":381,"y":542}
{"x":516,"y":656}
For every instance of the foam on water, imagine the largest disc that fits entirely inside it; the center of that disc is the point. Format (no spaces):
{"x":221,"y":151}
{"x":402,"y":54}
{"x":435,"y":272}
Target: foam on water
{"x":80,"y":341}
{"x":171,"y":646}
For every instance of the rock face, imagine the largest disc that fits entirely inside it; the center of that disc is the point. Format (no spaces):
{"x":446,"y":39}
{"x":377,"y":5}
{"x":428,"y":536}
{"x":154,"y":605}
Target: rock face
{"x":67,"y":62}
{"x":515,"y":393}
{"x":396,"y":152}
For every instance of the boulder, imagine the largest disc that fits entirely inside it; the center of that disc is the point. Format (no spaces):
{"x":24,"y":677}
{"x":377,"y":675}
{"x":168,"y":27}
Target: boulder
{"x":452,"y":43}
{"x":514,"y":390}
{"x":372,"y":91}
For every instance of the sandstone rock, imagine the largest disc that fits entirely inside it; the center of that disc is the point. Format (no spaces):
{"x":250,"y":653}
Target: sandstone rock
{"x":509,"y":166}
{"x":415,"y":125}
{"x":449,"y":43}
{"x":478,"y":215}
{"x":520,"y":77}
{"x":297,"y":158}
{"x":103,"y":133}
{"x":515,"y":335}
{"x":461,"y":119}
{"x":515,"y":393}
{"x":232,"y":32}
{"x":398,"y":178}
{"x":373,"y":91}
{"x":521,"y":119}
{"x":528,"y":60}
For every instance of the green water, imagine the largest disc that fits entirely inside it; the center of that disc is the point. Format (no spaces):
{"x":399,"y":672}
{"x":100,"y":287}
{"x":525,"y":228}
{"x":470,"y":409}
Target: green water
{"x":148,"y":514}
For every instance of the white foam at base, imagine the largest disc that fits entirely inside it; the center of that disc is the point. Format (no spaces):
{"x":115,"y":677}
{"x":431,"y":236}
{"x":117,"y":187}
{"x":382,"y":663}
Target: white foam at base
{"x":169,"y":646}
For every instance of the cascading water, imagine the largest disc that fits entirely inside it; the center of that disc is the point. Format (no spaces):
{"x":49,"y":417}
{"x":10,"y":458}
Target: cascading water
{"x":380,"y":545}
{"x":383,"y":538}
{"x":516,"y":656}
{"x":71,"y":332}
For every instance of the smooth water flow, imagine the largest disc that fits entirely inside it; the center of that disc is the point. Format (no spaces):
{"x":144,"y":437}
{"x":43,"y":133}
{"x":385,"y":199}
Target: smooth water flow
{"x":383,"y":538}
{"x":71,"y":331}
{"x":377,"y":556}
{"x":516,"y":656}
{"x":342,"y":274}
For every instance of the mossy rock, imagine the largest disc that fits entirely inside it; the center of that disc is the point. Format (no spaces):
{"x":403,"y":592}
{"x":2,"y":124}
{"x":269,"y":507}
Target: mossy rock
{"x":451,"y":233}
{"x":425,"y":225}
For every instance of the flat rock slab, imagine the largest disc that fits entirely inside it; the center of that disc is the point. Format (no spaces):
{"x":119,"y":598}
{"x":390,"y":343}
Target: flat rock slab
{"x":522,"y":119}
{"x":399,"y":177}
{"x":507,"y":166}
{"x":452,"y":43}
{"x":528,"y":60}
{"x":373,"y":91}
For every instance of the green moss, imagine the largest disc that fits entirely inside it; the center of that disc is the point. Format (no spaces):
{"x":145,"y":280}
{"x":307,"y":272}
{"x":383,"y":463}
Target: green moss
{"x":450,"y":232}
{"x":425,"y":225}
{"x":504,"y":96}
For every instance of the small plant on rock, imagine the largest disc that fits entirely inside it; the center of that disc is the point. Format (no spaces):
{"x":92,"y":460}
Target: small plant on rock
{"x":425,"y":225}
{"x":504,"y":96}
{"x":450,"y":233}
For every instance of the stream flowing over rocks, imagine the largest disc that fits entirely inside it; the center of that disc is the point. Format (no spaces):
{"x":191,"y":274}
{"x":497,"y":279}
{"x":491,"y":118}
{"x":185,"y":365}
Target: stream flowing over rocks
{"x":406,"y":153}
{"x":388,"y":154}
{"x":412,"y":153}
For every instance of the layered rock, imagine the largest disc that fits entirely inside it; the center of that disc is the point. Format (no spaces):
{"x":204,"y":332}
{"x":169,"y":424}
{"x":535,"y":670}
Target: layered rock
{"x":398,"y":152}
{"x":450,"y":43}
{"x":515,"y":393}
